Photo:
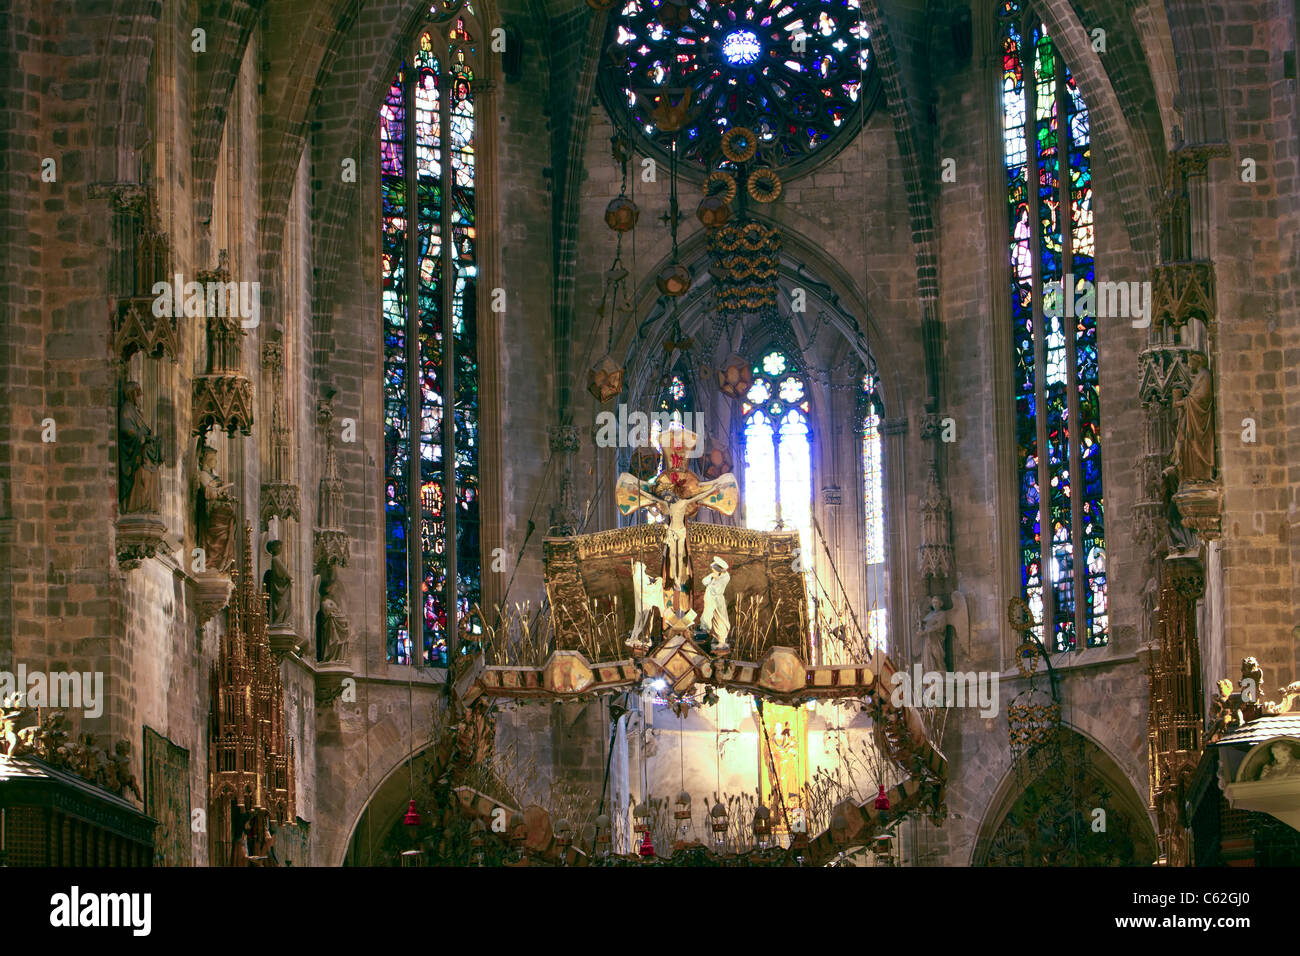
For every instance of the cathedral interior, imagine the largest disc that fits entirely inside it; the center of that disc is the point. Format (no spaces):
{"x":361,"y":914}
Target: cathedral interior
{"x":815,"y":492}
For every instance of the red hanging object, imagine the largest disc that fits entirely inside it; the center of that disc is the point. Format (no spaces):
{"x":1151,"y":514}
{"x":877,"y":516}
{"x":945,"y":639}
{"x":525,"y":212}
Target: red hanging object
{"x":412,"y":818}
{"x":647,"y":848}
{"x":882,"y":801}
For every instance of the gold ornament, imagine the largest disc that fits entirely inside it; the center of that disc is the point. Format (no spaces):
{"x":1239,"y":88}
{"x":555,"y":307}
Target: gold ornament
{"x":735,"y":377}
{"x":739,"y":144}
{"x":721,"y":182}
{"x":674,"y":279}
{"x":764,"y":185}
{"x":713,"y":212}
{"x":605,"y":379}
{"x":621,"y":214}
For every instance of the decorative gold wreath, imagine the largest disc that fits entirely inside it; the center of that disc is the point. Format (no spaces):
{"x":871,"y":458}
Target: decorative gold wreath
{"x":739,"y":144}
{"x":764,"y":185}
{"x":721,"y":182}
{"x":1027,"y":658}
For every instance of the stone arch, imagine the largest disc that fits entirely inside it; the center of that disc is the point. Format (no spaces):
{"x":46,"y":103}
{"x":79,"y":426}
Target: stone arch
{"x":1100,"y":769}
{"x":383,"y":807}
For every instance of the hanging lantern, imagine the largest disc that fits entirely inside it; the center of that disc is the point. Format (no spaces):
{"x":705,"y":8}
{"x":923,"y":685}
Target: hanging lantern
{"x":476,"y":831}
{"x":717,"y":461}
{"x":602,"y":834}
{"x":718,"y":823}
{"x":563,"y":839}
{"x":621,"y":214}
{"x":412,"y":820}
{"x":713,"y":212}
{"x":882,"y":801}
{"x":682,"y":814}
{"x":799,"y":847}
{"x":605,"y":379}
{"x":735,"y":377}
{"x":883,"y":844}
{"x":641,"y":818}
{"x":762,"y":826}
{"x":518,"y":830}
{"x":674,"y":279}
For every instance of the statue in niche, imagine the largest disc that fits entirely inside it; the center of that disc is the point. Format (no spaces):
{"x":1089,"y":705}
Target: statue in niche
{"x":1182,"y":540}
{"x":139,"y":455}
{"x":933,"y":634}
{"x":278,"y":585}
{"x":332,"y":628}
{"x":214,"y":510}
{"x":1193,"y":456}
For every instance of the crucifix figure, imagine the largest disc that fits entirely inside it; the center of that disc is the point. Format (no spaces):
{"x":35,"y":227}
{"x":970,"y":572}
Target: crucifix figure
{"x":677,"y":494}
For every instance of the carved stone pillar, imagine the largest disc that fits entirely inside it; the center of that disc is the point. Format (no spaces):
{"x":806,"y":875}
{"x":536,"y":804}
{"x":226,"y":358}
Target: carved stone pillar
{"x":565,"y":516}
{"x":280,"y":493}
{"x":1176,"y":718}
{"x":936,"y":511}
{"x":332,"y":543}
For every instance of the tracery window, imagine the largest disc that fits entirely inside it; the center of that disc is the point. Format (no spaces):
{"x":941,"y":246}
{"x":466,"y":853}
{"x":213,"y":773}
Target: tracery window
{"x":796,"y":72}
{"x":777,"y":433}
{"x":1052,"y":241}
{"x":871,"y":416}
{"x":429,"y":268}
{"x":676,"y":401}
{"x":873,"y":492}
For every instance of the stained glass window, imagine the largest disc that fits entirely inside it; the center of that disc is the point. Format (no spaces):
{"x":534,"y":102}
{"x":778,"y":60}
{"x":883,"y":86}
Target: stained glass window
{"x":793,"y":71}
{"x":429,"y":268}
{"x":1047,"y":144}
{"x":778,"y":450}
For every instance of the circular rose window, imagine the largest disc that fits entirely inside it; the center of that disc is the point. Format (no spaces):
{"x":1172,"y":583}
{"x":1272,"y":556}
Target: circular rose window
{"x":797,"y":73}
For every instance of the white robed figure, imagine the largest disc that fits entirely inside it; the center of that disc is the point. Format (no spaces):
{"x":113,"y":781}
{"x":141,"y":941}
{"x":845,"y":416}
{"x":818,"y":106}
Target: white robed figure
{"x":715,"y":619}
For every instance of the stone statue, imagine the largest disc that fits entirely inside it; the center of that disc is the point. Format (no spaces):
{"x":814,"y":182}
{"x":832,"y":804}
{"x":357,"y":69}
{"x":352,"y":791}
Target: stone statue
{"x":139,"y":454}
{"x":648,"y":597}
{"x":1193,"y":456}
{"x":332,"y":628}
{"x":933,"y":634}
{"x":278,"y":585}
{"x":214,"y":510}
{"x":715,"y":619}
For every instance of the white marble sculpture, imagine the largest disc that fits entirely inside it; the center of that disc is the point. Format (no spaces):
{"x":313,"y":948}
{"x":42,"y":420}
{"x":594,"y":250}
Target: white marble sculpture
{"x":715,"y":619}
{"x":648,"y":594}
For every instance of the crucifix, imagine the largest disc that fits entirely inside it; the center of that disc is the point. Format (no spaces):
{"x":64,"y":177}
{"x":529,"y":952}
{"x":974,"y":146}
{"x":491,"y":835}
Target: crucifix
{"x":677,"y":494}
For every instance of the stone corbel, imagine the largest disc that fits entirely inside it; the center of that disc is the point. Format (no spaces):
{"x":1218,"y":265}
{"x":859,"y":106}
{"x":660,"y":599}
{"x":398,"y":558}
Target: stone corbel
{"x":139,"y":537}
